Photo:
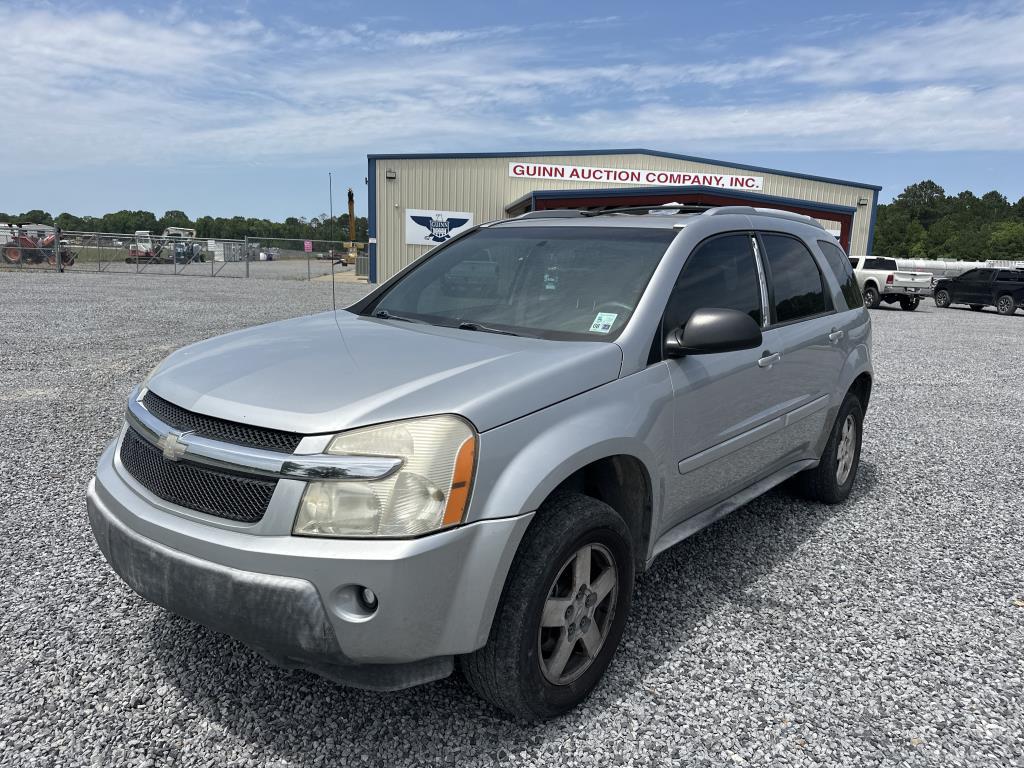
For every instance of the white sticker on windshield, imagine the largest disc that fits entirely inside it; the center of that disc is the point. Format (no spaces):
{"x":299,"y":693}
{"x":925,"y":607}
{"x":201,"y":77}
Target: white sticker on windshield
{"x":603,"y":322}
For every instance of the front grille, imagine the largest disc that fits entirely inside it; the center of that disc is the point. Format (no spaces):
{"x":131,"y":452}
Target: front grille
{"x":219,"y":429}
{"x":211,"y":491}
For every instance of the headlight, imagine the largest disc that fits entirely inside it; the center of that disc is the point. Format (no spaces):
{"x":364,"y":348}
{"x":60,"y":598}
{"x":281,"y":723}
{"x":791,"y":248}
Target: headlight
{"x":428,"y":493}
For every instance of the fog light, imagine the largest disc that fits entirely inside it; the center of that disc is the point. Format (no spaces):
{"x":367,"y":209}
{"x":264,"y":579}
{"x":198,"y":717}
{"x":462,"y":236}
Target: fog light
{"x":368,"y":598}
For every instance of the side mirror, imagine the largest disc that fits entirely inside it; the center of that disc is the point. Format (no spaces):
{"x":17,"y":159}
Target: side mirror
{"x":713,"y":330}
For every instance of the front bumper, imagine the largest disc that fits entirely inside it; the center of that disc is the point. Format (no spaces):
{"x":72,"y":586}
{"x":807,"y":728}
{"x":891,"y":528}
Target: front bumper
{"x":289,"y":598}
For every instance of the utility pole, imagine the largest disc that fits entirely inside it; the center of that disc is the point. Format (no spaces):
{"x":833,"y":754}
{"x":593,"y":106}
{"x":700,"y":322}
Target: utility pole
{"x":351,"y":223}
{"x":330,"y":198}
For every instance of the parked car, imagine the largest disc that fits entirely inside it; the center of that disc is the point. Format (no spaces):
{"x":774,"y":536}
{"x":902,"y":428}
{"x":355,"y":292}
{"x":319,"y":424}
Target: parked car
{"x":471,"y":464}
{"x":978,"y":288}
{"x":881,"y":280}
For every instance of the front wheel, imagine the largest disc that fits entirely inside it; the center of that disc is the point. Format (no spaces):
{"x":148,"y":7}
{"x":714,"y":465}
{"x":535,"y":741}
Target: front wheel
{"x":831,"y":481}
{"x":909,"y":303}
{"x":942,"y":298}
{"x":561,"y":616}
{"x":872,"y":298}
{"x":1006,"y":305}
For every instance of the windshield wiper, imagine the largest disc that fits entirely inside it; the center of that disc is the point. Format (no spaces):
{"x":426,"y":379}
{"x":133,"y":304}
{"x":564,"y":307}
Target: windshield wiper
{"x":469,"y":326}
{"x":385,"y":315}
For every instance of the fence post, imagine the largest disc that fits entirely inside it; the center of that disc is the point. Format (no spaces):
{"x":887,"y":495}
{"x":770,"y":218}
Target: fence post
{"x":56,"y":245}
{"x":246,"y":255}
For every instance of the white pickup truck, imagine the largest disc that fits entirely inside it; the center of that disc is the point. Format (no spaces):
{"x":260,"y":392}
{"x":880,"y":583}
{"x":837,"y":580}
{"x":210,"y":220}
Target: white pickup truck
{"x":880,"y":280}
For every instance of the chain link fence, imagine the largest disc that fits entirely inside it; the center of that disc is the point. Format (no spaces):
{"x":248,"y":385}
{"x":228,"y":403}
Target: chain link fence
{"x":177,"y":252}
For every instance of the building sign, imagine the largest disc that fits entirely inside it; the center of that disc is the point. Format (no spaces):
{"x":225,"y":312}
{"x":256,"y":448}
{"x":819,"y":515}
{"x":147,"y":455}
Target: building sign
{"x":429,"y":227}
{"x":655,"y":178}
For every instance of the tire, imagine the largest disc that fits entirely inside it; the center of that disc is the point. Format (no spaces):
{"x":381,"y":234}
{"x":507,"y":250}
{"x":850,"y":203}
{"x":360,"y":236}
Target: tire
{"x":12,"y":254}
{"x":976,"y":307}
{"x":1005,"y":305}
{"x":909,"y":304}
{"x":514,"y":671}
{"x":872,"y":298}
{"x":827,"y":482}
{"x":942,"y":298}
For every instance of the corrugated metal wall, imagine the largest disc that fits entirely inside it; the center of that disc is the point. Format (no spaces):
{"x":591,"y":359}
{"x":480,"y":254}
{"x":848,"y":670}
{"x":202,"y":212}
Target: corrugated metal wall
{"x":482,"y":185}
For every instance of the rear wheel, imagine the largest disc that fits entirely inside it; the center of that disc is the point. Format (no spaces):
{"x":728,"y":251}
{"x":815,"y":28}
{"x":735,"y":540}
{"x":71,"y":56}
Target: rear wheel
{"x":562,"y":613}
{"x":942,"y":298}
{"x":830,"y":482}
{"x":872,"y":298}
{"x":12,"y":254}
{"x":909,"y":303}
{"x":976,"y":307}
{"x":1006,"y":305}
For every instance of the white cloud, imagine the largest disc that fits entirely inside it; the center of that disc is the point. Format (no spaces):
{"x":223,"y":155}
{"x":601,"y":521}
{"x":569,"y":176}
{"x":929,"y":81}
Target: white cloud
{"x":109,"y":88}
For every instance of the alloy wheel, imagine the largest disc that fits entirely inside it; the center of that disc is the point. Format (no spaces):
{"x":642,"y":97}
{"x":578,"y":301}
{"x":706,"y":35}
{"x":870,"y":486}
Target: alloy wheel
{"x":847,"y":449}
{"x":578,"y":614}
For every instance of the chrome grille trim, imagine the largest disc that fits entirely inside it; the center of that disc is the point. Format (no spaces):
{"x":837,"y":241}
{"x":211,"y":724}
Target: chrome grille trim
{"x":255,"y":461}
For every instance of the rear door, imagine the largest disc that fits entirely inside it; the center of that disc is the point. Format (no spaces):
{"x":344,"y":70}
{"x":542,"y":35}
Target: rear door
{"x":813,"y":339}
{"x":974,"y":286}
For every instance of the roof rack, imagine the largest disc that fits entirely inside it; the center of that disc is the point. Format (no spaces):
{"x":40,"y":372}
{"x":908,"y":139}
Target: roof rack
{"x":553,"y":213}
{"x":749,"y":210}
{"x":677,"y":207}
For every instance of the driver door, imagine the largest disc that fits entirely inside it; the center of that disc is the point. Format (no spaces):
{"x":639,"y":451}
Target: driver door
{"x":727,"y":406}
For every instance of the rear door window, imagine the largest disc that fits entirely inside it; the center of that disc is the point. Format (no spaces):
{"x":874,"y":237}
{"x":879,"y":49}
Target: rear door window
{"x":797,"y":288}
{"x":840,"y":266}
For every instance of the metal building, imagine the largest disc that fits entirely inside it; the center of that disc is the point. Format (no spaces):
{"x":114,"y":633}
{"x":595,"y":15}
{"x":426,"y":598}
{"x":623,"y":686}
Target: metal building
{"x":419,"y":200}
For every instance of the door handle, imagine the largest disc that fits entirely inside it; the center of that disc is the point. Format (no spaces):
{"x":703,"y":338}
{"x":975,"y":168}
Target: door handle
{"x":767,"y":360}
{"x":836,"y":336}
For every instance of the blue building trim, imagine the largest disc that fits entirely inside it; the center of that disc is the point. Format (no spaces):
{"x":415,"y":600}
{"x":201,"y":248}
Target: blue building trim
{"x":371,"y":216}
{"x":558,"y":194}
{"x":871,"y":227}
{"x":634,"y":151}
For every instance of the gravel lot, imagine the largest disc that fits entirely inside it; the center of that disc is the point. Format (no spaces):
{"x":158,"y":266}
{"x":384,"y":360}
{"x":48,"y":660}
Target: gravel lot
{"x":885,"y":631}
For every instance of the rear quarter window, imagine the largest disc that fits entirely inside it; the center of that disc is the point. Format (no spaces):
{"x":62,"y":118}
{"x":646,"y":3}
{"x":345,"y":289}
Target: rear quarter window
{"x":840,"y":266}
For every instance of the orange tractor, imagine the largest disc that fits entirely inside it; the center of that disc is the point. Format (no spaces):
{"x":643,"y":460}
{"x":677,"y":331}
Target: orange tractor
{"x":22,"y":248}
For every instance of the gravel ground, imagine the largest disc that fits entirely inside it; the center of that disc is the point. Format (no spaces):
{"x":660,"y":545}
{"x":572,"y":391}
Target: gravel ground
{"x":885,"y":631}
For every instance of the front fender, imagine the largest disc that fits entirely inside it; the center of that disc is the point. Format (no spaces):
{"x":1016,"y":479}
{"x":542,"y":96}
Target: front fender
{"x":523,"y":461}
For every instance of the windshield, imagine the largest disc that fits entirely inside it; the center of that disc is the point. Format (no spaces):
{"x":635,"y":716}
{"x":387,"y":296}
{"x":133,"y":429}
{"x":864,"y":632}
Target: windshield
{"x":549,"y":282}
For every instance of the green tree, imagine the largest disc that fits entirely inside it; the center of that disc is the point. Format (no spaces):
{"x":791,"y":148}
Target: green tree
{"x":1006,"y":241}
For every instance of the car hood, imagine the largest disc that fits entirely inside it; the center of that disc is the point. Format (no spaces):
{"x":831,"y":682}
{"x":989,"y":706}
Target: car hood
{"x":338,"y":370}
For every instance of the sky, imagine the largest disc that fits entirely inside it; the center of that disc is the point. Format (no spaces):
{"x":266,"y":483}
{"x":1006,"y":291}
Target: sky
{"x":243,"y":108}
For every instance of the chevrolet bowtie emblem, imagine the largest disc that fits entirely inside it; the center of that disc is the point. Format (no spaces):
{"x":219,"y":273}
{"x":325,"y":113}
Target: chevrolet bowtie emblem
{"x":172,"y":446}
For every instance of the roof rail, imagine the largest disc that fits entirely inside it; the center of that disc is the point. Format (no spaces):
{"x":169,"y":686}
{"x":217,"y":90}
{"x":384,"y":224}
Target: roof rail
{"x":667,"y":207}
{"x":748,"y":210}
{"x":552,"y":213}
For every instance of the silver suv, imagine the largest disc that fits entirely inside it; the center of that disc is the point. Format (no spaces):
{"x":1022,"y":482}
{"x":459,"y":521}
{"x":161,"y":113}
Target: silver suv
{"x":472,"y":464}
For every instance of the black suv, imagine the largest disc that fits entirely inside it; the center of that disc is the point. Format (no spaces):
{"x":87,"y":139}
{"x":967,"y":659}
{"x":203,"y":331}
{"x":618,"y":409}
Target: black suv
{"x":999,"y":288}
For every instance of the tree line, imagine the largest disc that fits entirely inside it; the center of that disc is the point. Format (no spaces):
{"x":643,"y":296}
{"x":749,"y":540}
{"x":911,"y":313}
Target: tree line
{"x":321,"y":227}
{"x":923,"y":222}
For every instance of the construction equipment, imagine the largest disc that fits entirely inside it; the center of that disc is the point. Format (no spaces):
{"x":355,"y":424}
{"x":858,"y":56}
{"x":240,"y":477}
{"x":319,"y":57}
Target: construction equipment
{"x":178,"y":246}
{"x":20,"y":247}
